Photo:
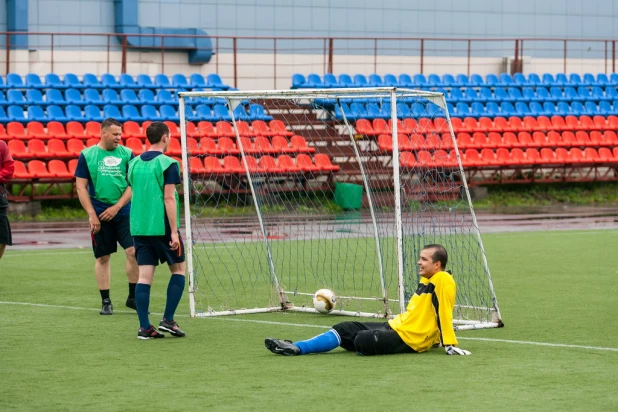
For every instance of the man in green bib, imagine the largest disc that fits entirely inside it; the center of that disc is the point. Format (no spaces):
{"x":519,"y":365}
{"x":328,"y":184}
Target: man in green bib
{"x":155,"y":220}
{"x":101,"y":181}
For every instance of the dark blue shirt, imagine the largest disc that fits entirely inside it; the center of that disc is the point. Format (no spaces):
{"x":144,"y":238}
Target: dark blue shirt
{"x":83,"y":172}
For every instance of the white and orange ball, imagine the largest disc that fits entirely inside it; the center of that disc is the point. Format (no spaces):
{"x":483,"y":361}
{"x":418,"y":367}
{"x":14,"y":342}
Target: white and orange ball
{"x":324,"y":300}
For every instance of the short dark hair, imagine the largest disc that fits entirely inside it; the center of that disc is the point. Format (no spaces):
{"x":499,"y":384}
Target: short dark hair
{"x":110,"y":121}
{"x":439,"y":254}
{"x":155,"y":132}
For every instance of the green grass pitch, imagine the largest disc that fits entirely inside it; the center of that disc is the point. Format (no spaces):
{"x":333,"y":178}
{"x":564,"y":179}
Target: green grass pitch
{"x":559,"y":350}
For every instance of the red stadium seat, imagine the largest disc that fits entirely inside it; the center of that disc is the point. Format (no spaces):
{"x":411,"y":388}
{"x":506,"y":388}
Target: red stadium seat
{"x":227,"y":146}
{"x":412,"y":125}
{"x":401,"y":127}
{"x":193,"y":146}
{"x":447,"y":141}
{"x":262,"y":145}
{"x":610,"y":138}
{"x":583,"y":138}
{"x":38,"y":170}
{"x":243,"y":128}
{"x":37,"y":149}
{"x":75,"y":147}
{"x":442,"y":158}
{"x":225,"y":129}
{"x":425,"y":125}
{"x":75,"y":130}
{"x":57,"y":149}
{"x":304,"y":162}
{"x":192,"y":130}
{"x":92,"y":141}
{"x":471,"y":125}
{"x":407,"y":159}
{"x":247,"y":145}
{"x":495,"y":140}
{"x":286,"y":164}
{"x":502,"y":125}
{"x":457,"y":123}
{"x":440,"y":125}
{"x":269,"y":165}
{"x":548,"y":156}
{"x":72,"y":165}
{"x":503,"y":157}
{"x":576,"y":155}
{"x":558,"y":123}
{"x":606,"y":155}
{"x":363,"y":126}
{"x":16,"y":130}
{"x":543,"y":124}
{"x":385,"y":142}
{"x":530,"y":124}
{"x":232,"y":165}
{"x":205,"y":128}
{"x":596,"y":138}
{"x":299,"y":144}
{"x":135,"y":145}
{"x":281,"y":145}
{"x":174,"y":132}
{"x":277,"y":127}
{"x":323,"y":162}
{"x":486,"y":125}
{"x":489,"y":157}
{"x":600,"y":123}
{"x":586,"y":123}
{"x":132,"y":129}
{"x":562,"y":156}
{"x":464,"y":141}
{"x":510,"y":140}
{"x":472,"y":158}
{"x":424,"y":159}
{"x":252,"y":164}
{"x":516,"y":124}
{"x":20,"y":171}
{"x":539,"y":139}
{"x":212,"y":165}
{"x":569,"y":139}
{"x":93,"y":129}
{"x":196,"y":166}
{"x":518,"y":156}
{"x":18,"y":150}
{"x":572,"y":123}
{"x":525,"y":139}
{"x":3,"y":135}
{"x":533,"y":156}
{"x":56,"y":129}
{"x":433,"y":141}
{"x":480,"y":140}
{"x":209,"y":146}
{"x":591,"y":155}
{"x":36,"y":130}
{"x":416,"y":142}
{"x":59,"y":169}
{"x":380,"y":127}
{"x":554,"y":139}
{"x":260,"y":128}
{"x":174,"y":148}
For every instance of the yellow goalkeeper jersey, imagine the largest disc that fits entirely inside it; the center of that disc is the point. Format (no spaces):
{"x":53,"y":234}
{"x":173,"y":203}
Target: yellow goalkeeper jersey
{"x":428,"y":319}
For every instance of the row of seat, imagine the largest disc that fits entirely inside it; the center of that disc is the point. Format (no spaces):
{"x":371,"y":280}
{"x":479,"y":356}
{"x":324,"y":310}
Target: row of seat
{"x":529,"y":94}
{"x":510,"y":158}
{"x":98,"y":97}
{"x":129,"y":112}
{"x":485,"y":124}
{"x":16,"y":130}
{"x":480,"y":140}
{"x":299,"y":81}
{"x":107,"y":80}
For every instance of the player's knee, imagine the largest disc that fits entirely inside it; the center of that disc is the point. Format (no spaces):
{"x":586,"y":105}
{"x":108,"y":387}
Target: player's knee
{"x":2,"y":248}
{"x":130,"y":252}
{"x":340,"y":328}
{"x":365,"y":341}
{"x":103,"y":260}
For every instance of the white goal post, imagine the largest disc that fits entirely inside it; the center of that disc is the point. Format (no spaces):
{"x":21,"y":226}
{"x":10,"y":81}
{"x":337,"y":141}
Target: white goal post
{"x":291,"y":191}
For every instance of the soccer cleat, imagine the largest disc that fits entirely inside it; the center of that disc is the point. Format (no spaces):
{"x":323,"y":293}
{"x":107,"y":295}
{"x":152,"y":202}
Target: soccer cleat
{"x":150,"y":333}
{"x":281,"y":347}
{"x":171,"y":328}
{"x":131,"y":303}
{"x":107,"y":308}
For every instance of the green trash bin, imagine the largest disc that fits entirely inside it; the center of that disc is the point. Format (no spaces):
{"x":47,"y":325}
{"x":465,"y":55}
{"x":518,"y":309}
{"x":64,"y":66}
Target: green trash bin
{"x":348,"y":195}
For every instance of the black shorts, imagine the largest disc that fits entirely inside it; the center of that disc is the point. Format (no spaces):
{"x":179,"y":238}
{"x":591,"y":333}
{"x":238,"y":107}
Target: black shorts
{"x":371,"y":338}
{"x":117,"y":230}
{"x":150,"y":250}
{"x":6,"y":237}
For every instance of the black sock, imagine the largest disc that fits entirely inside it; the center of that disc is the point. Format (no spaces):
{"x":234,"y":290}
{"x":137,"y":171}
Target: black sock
{"x":132,"y":290}
{"x":104,"y":294}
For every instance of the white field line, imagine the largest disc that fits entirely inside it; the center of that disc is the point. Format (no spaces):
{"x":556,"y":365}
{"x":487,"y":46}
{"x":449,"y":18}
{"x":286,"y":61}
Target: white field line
{"x":81,"y":252}
{"x":302,"y":325}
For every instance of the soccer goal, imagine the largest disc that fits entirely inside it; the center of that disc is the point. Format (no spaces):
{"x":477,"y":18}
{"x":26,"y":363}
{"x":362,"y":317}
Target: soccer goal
{"x":291,"y":191}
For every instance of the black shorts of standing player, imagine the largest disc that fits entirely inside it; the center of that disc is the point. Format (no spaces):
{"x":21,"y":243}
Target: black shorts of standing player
{"x":6,"y":237}
{"x":150,"y":250}
{"x":117,"y":230}
{"x":371,"y":338}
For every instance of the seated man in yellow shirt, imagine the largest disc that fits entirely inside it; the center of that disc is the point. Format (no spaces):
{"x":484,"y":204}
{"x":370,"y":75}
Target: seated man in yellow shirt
{"x":427,"y":321}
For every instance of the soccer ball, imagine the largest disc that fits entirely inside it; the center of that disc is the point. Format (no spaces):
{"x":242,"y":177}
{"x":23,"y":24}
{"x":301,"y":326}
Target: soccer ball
{"x":324,"y":300}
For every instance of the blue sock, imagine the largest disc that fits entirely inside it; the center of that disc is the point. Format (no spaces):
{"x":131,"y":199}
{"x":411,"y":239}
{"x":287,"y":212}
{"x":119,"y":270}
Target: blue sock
{"x":142,"y":301}
{"x":174,"y":293}
{"x":321,"y":343}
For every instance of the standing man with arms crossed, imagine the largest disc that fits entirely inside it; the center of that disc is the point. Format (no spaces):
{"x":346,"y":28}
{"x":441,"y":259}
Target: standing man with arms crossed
{"x":155,"y":220}
{"x":427,"y":321}
{"x":7,"y":168}
{"x":101,"y":181}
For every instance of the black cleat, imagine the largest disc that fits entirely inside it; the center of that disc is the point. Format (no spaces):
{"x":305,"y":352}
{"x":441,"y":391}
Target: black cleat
{"x":131,"y":303}
{"x":281,"y":347}
{"x":107,"y":308}
{"x":150,"y":333}
{"x":171,"y":328}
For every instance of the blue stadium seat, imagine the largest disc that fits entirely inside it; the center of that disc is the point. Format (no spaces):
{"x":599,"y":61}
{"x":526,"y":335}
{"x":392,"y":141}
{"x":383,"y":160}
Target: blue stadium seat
{"x":128,"y":96}
{"x":90,"y":81}
{"x":373,"y":111}
{"x":34,"y":96}
{"x":462,"y":80}
{"x":204,"y":112}
{"x":602,"y":80}
{"x":36,"y":114}
{"x":506,"y":80}
{"x":385,"y":110}
{"x":520,"y":80}
{"x":93,"y":113}
{"x":451,"y":110}
{"x":92,"y":96}
{"x":179,"y":80}
{"x":346,"y":81}
{"x":109,"y":81}
{"x":556,"y":94}
{"x":342,"y":110}
{"x":563,"y":109}
{"x":485,"y":94}
{"x":515,"y":94}
{"x":471,"y":95}
{"x":491,"y":80}
{"x":358,"y":110}
{"x":591,"y":108}
{"x":197,"y":81}
{"x":71,"y":81}
{"x":110,"y":96}
{"x":214,"y":81}
{"x":449,"y":81}
{"x":405,"y":80}
{"x":146,"y":96}
{"x":542,"y":94}
{"x":462,"y":109}
{"x":73,"y":96}
{"x":359,"y":81}
{"x":3,"y":117}
{"x":598,"y":94}
{"x":298,"y":81}
{"x":111,"y":110}
{"x":14,"y":80}
{"x":403,"y":111}
{"x":584,"y":93}
{"x":221,"y":112}
{"x":165,"y":97}
{"x":561,"y":79}
{"x":478,"y":110}
{"x":611,"y":93}
{"x":390,"y":80}
{"x":149,"y":112}
{"x":605,"y":108}
{"x":477,"y":80}
{"x":548,"y":80}
{"x":314,"y":81}
{"x":33,"y":81}
{"x":168,"y":112}
{"x":130,"y":112}
{"x":52,"y":80}
{"x":420,"y":80}
{"x":15,"y":97}
{"x":162,"y":81}
{"x":55,"y":113}
{"x":528,"y":94}
{"x":54,"y":96}
{"x":522,"y":109}
{"x":570,"y":94}
{"x":550,"y":108}
{"x":2,"y":87}
{"x":240,"y":113}
{"x":536,"y":109}
{"x":127,"y":81}
{"x":501,"y":95}
{"x":456,"y":95}
{"x":578,"y":109}
{"x":589,"y":79}
{"x":434,"y":80}
{"x":507,"y":109}
{"x":575,"y":80}
{"x":534,"y":80}
{"x":144,"y":81}
{"x":3,"y":100}
{"x":330,"y":80}
{"x":74,"y":113}
{"x":256,"y":111}
{"x":375,"y":80}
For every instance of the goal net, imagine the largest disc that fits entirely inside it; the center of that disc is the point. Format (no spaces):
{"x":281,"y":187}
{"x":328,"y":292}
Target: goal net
{"x":291,"y":191}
